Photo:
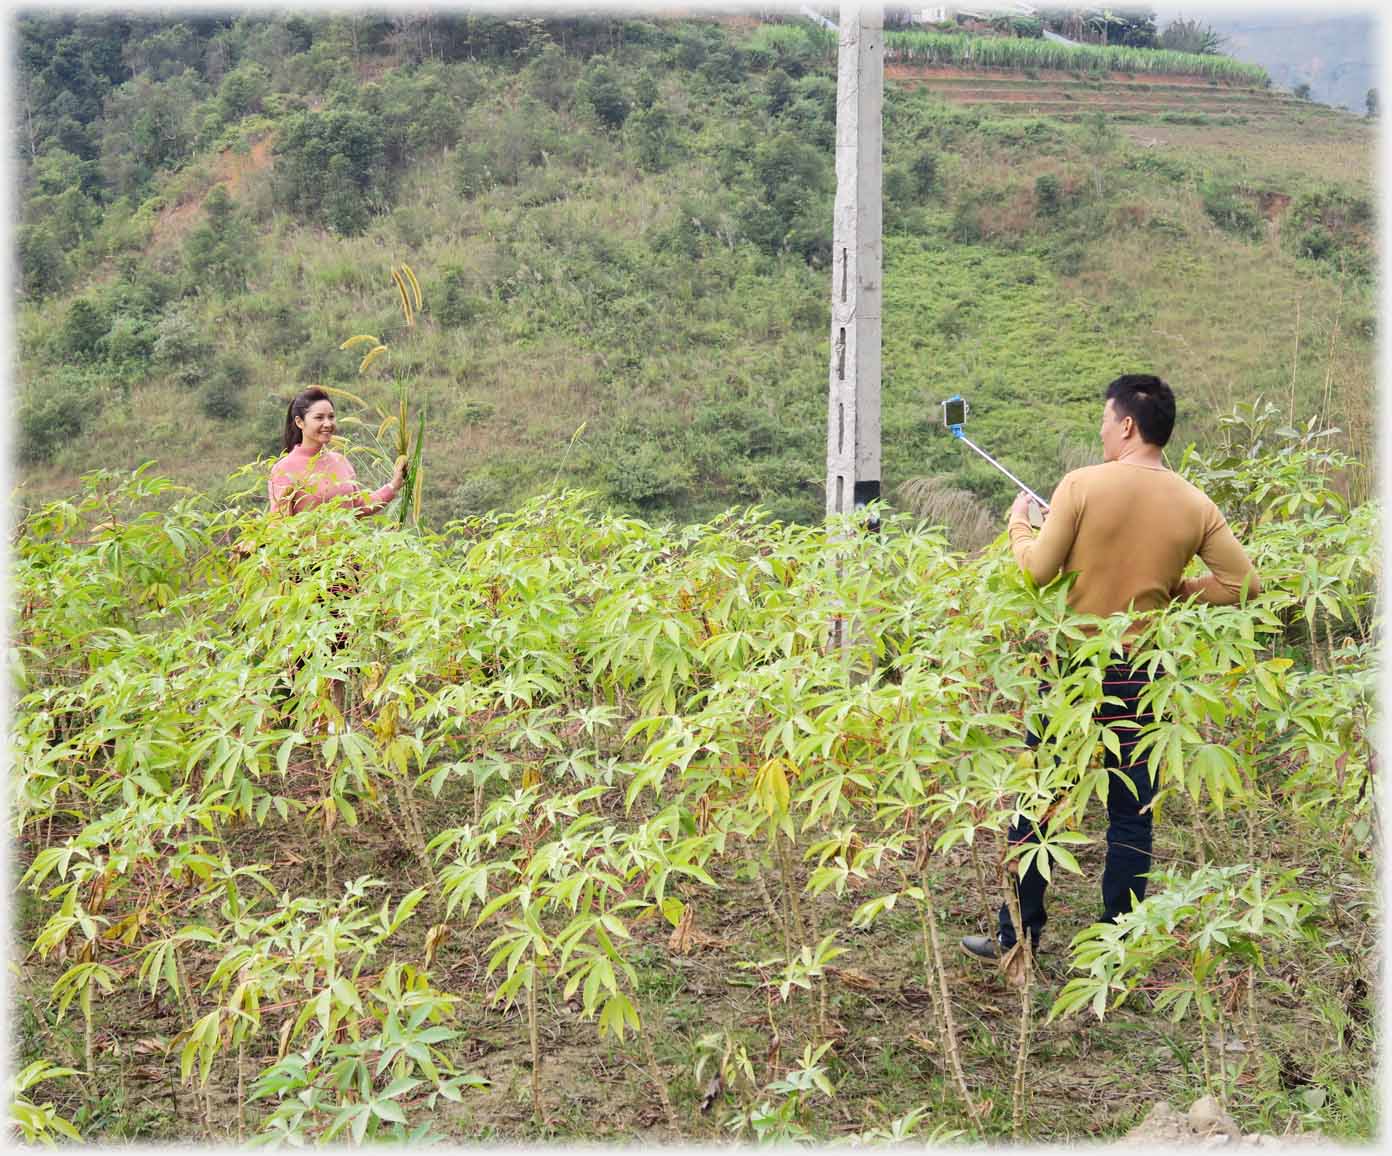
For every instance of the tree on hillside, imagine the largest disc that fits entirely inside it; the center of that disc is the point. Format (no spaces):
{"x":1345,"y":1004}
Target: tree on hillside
{"x":42,"y":263}
{"x":331,"y":166}
{"x":222,"y":251}
{"x":794,"y":181}
{"x":1132,"y":27}
{"x":58,"y":187}
{"x":148,"y":125}
{"x":600,"y":90}
{"x":1372,"y":102}
{"x":1183,"y":35}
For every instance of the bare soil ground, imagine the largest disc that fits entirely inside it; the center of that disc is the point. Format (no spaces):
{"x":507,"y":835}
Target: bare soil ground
{"x":231,"y":169}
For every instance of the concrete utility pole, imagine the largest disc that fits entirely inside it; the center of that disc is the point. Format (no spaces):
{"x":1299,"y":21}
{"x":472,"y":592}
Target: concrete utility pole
{"x":853,"y":414}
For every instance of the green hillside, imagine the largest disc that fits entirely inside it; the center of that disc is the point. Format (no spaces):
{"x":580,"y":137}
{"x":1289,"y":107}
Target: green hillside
{"x":623,"y":225}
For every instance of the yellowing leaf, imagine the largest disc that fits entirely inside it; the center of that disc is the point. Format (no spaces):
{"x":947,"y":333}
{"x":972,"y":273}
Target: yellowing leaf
{"x":771,"y":787}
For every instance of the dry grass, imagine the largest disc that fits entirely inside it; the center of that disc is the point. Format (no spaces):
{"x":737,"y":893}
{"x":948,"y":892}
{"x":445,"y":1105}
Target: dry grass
{"x":1342,"y":150}
{"x":1216,"y":357}
{"x":969,"y":524}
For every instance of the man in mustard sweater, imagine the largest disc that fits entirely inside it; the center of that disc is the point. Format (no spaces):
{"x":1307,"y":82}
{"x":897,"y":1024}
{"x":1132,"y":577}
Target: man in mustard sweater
{"x":1128,"y":528}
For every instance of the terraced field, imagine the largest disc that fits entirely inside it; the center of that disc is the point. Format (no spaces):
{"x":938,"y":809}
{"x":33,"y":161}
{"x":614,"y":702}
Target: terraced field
{"x":1120,"y":96}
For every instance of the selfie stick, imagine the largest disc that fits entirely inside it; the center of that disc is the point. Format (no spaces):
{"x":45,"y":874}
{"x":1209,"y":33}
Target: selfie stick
{"x":956,"y":431}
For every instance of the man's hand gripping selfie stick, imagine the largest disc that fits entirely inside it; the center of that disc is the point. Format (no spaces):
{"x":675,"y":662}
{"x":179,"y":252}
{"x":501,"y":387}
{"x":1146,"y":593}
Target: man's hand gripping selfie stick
{"x":955,"y":417}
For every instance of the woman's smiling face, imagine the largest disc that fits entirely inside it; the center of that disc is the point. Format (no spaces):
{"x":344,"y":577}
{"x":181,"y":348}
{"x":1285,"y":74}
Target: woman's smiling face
{"x":317,"y":425}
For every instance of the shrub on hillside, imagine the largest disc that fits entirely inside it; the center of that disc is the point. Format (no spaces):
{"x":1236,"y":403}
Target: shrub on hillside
{"x":925,"y":172}
{"x":1333,"y":226}
{"x":345,"y":210}
{"x":1046,"y":194}
{"x":267,"y":421}
{"x":55,"y":409}
{"x":651,"y":132}
{"x":966,"y":223}
{"x":792,"y":203}
{"x":331,"y":166}
{"x":812,"y":113}
{"x":181,"y":345}
{"x":725,"y":67}
{"x":778,"y":91}
{"x":501,"y":145}
{"x":284,"y":329}
{"x":1231,"y":212}
{"x":43,"y":264}
{"x":453,"y":303}
{"x":222,"y":398}
{"x":551,"y":78}
{"x":242,"y":91}
{"x":636,"y":471}
{"x":129,"y":346}
{"x":83,"y":328}
{"x":599,"y":90}
{"x":490,"y":487}
{"x":221,"y":252}
{"x":419,"y":111}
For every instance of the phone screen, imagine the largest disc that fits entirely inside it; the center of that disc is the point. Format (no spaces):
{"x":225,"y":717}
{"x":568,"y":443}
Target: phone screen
{"x":954,"y":412}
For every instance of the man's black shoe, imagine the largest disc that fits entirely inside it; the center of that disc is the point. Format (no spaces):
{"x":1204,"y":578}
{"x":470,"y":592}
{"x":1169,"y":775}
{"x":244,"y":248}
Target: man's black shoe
{"x":982,"y":946}
{"x":987,"y":947}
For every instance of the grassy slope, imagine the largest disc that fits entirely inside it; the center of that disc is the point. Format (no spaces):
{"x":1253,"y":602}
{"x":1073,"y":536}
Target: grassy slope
{"x":699,"y":368}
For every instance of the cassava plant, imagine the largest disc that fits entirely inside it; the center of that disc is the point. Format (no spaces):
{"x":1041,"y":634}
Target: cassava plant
{"x":582,"y":747}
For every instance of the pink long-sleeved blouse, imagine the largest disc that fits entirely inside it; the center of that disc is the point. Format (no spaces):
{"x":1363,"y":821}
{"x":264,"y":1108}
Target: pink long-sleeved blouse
{"x":302,"y":479}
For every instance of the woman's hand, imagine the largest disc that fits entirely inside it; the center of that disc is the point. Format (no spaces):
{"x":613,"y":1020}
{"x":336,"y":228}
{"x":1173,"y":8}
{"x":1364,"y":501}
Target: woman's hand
{"x":399,"y":474}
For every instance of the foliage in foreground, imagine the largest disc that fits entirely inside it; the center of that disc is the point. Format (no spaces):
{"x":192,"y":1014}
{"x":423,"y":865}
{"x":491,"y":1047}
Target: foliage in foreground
{"x":579,"y":727}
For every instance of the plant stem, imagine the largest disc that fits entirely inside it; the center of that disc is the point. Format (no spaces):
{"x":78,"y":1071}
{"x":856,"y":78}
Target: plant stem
{"x":1207,"y":1065}
{"x":790,"y":886}
{"x":536,"y":1046}
{"x":328,"y":863}
{"x":930,"y":982}
{"x":981,"y":885}
{"x":1017,"y":1091}
{"x":949,"y":1027}
{"x":1202,"y":829}
{"x":775,"y":915}
{"x":241,"y":1092}
{"x":87,"y":1049}
{"x":1254,"y":1038}
{"x":656,"y":1076}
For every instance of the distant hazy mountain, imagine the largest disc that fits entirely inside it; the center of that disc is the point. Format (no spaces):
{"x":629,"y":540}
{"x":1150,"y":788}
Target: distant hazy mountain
{"x":1334,"y":52}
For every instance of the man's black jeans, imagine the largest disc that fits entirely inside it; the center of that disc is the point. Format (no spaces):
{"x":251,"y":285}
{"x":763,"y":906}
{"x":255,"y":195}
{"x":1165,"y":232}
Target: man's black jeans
{"x":1129,"y":822}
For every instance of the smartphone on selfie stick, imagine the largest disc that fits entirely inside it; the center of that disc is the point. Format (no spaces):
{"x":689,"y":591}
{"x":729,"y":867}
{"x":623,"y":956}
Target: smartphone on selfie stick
{"x":955,"y":417}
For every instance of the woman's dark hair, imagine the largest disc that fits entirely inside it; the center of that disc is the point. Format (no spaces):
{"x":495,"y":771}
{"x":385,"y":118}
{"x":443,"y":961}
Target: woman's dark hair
{"x":298,"y":408}
{"x":1147,"y":401}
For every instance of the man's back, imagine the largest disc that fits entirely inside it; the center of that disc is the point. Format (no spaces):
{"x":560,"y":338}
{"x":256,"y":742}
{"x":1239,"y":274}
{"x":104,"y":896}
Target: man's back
{"x":1129,"y":531}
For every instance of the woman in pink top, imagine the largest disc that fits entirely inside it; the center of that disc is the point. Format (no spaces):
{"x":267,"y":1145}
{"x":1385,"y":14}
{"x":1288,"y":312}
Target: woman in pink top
{"x":310,"y":473}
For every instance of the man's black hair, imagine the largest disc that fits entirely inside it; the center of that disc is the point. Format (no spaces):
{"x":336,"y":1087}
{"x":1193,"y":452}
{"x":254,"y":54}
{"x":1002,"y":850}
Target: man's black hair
{"x":1147,"y":401}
